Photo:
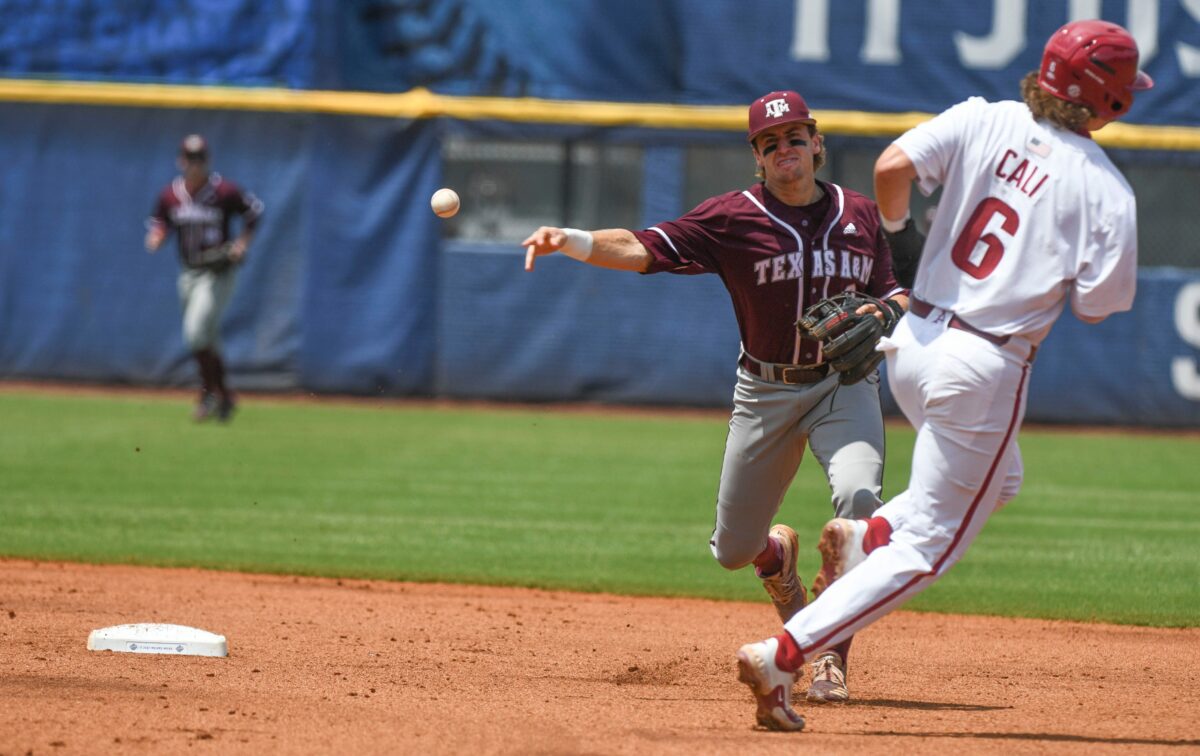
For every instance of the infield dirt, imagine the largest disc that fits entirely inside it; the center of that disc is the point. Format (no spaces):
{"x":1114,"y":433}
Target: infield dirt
{"x":341,"y":666}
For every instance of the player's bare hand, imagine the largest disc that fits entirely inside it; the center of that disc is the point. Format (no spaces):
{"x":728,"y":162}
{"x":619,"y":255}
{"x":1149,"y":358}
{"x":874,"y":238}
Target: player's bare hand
{"x":874,"y":310}
{"x":545,"y":241}
{"x":154,"y":238}
{"x":237,"y":250}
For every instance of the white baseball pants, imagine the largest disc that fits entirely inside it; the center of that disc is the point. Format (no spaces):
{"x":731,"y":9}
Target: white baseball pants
{"x":966,"y":398}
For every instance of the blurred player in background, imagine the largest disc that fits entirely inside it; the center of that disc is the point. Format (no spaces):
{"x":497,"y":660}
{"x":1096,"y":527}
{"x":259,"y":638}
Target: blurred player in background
{"x":199,"y":206}
{"x":779,"y":246}
{"x":1033,"y":215}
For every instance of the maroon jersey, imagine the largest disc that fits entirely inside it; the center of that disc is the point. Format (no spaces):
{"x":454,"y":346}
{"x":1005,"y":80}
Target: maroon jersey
{"x":203,"y":220}
{"x":776,"y":260}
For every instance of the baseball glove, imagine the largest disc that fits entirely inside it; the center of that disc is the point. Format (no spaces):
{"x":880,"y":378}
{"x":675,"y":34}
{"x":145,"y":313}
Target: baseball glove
{"x":218,"y":258}
{"x":848,"y":339}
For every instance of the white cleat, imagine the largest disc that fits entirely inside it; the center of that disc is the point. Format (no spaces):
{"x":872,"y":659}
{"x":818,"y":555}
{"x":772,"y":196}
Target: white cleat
{"x":841,"y":548}
{"x":771,"y":686}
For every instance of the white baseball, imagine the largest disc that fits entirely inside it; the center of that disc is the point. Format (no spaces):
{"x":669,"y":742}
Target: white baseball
{"x":444,"y":203}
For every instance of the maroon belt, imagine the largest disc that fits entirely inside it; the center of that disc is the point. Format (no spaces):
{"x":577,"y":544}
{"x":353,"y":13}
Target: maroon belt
{"x":789,"y":374}
{"x":922,"y":309}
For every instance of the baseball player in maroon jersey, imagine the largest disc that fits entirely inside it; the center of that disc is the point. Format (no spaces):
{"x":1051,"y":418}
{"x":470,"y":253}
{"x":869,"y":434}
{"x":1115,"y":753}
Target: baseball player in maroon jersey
{"x":779,"y":246}
{"x":199,"y":206}
{"x":1033,"y":216}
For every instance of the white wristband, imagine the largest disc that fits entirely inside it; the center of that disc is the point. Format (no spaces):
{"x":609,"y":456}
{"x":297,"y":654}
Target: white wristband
{"x":892,"y":226}
{"x":578,"y":244}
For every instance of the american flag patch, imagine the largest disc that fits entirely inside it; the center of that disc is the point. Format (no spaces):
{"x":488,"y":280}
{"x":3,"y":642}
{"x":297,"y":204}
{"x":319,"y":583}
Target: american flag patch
{"x":1038,"y":147}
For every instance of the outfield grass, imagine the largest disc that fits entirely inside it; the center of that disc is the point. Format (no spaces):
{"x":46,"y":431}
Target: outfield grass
{"x":1106,"y":527}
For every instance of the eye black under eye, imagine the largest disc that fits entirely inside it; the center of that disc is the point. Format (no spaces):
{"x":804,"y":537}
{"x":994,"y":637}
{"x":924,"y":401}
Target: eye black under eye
{"x":792,"y":141}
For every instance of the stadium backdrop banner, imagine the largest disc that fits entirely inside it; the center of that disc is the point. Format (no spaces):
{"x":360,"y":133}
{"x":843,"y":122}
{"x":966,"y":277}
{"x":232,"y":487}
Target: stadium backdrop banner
{"x":863,"y":55}
{"x":349,"y":286}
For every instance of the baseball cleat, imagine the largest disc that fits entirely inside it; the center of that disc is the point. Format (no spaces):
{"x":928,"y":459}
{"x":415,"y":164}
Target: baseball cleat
{"x":225,"y":408}
{"x":770,"y":685}
{"x":841,"y":548}
{"x":205,"y":408}
{"x":786,"y":591}
{"x":828,"y":680}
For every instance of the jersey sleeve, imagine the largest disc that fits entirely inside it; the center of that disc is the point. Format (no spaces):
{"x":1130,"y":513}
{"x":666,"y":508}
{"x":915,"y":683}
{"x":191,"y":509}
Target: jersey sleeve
{"x":685,"y":246}
{"x":246,"y":204}
{"x":931,"y":146}
{"x":1106,"y":276}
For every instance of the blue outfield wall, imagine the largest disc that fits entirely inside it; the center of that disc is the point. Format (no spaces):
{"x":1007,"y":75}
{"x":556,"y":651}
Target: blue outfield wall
{"x":337,"y":292}
{"x":567,"y":331}
{"x":921,"y":55}
{"x":350,"y":289}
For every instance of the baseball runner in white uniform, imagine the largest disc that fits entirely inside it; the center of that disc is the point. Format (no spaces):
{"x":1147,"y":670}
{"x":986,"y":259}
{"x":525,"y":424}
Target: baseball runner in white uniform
{"x":1033,"y":215}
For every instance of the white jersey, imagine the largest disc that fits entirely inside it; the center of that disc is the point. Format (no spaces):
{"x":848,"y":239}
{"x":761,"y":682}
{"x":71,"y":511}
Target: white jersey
{"x":1029,"y":214}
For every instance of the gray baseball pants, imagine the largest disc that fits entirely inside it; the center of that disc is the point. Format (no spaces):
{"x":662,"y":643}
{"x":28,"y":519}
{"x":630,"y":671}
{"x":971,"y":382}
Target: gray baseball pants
{"x":770,"y":426}
{"x":204,"y":295}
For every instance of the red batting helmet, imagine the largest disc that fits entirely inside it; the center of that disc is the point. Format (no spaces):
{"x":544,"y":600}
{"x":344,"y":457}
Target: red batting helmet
{"x":1093,"y":63}
{"x":775,"y":108}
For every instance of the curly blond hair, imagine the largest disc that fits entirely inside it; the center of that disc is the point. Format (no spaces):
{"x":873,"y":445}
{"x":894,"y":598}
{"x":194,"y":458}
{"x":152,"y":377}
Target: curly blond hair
{"x":1063,"y":114}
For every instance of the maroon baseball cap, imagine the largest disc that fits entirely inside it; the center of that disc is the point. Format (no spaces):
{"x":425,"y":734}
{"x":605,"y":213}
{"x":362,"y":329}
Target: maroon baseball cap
{"x":775,"y":108}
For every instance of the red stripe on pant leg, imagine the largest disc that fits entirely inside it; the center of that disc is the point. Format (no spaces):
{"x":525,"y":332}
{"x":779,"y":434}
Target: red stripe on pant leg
{"x":962,"y":528}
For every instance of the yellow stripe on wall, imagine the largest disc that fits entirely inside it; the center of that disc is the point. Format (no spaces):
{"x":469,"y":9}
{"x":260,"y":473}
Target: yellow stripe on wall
{"x":421,"y":103}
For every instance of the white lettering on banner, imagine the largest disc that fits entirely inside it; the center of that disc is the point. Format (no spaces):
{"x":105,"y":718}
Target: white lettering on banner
{"x":881,"y":44}
{"x":1184,"y":374}
{"x":1189,"y":56}
{"x":1000,"y":47}
{"x":810,"y":30}
{"x":1003,"y":45}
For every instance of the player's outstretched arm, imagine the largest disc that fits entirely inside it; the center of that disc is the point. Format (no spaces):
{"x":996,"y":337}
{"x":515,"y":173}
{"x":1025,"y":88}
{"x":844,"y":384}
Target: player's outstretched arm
{"x":615,"y":248}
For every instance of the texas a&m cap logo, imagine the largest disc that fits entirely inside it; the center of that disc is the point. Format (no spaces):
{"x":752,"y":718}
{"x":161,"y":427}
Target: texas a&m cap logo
{"x":775,"y":108}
